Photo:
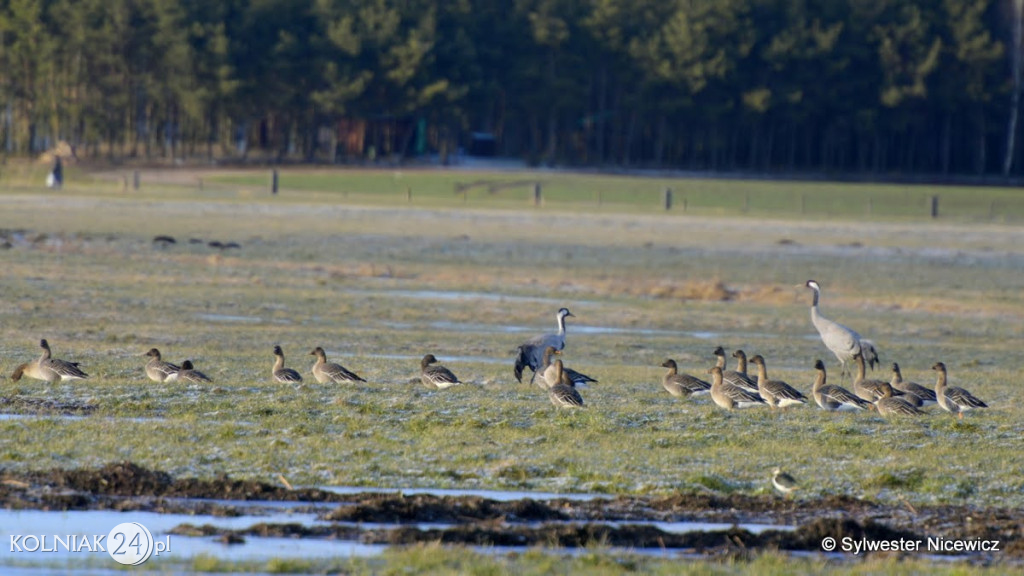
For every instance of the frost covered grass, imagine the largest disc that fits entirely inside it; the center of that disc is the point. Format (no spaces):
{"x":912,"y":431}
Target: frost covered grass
{"x":379,"y":287}
{"x":436,"y":559}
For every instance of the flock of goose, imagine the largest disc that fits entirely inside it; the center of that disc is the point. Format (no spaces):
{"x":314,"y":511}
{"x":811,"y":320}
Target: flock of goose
{"x":732,"y":389}
{"x":729,"y":389}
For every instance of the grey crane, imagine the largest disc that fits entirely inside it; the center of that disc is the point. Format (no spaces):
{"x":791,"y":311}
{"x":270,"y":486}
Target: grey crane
{"x":531,"y":353}
{"x":842,"y":341}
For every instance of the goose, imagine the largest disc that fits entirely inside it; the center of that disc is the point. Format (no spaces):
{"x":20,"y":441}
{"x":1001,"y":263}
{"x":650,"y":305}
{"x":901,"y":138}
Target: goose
{"x":842,"y":341}
{"x":783,"y":482}
{"x":531,"y":353}
{"x":734,"y":377}
{"x":955,"y":400}
{"x":776,"y":393}
{"x":889,"y":406}
{"x":730,"y":396}
{"x":870,"y":390}
{"x":436,"y":376}
{"x":325,"y":371}
{"x":925,"y":396}
{"x":188,"y":373}
{"x":49,"y":369}
{"x":834,"y":398}
{"x":563,"y":394}
{"x":159,"y":371}
{"x":681,"y":385}
{"x":282,"y":374}
{"x":548,"y":376}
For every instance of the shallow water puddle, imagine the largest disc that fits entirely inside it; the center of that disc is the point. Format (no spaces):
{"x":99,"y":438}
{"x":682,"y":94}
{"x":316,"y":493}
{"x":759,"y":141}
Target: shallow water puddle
{"x":306,"y":514}
{"x":101,"y":522}
{"x":496,"y":495}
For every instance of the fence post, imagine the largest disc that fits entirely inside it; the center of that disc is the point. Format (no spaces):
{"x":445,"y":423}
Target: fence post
{"x":935,"y":206}
{"x":408,"y":194}
{"x":537,"y":199}
{"x":273,"y":181}
{"x":803,"y":203}
{"x":136,"y":178}
{"x":667,"y":199}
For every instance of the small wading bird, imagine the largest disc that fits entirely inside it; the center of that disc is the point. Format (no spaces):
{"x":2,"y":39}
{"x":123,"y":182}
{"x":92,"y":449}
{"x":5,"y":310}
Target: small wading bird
{"x":784,"y":482}
{"x":159,"y":371}
{"x":530,"y":354}
{"x":955,"y":400}
{"x":49,"y":369}
{"x":842,"y":341}
{"x":325,"y":371}
{"x":435,"y":375}
{"x":282,"y":374}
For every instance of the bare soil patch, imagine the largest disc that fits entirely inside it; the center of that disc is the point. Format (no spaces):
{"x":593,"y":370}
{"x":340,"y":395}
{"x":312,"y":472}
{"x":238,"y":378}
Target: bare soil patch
{"x":619,"y":521}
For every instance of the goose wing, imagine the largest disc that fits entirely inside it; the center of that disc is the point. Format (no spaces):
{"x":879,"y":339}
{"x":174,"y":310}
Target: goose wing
{"x":339,"y":373}
{"x":565,"y":396}
{"x":685,"y":385}
{"x":287,"y":376}
{"x":66,"y":370}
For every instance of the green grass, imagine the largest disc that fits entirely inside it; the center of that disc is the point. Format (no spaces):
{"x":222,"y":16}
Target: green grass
{"x":571,"y":191}
{"x":646,"y":194}
{"x":378,"y":286}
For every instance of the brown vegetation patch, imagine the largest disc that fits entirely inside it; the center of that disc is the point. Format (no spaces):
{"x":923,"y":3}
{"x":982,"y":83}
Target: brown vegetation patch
{"x":43,"y":406}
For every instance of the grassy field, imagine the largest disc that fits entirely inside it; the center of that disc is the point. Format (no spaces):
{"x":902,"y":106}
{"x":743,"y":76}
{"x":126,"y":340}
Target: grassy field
{"x":589,"y":192}
{"x":379,"y":284}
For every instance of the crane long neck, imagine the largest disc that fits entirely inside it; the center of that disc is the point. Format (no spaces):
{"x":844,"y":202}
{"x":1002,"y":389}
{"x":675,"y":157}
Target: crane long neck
{"x":561,"y":325}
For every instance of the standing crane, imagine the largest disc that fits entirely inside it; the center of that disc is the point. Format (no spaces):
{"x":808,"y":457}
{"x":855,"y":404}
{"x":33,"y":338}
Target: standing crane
{"x":842,"y":341}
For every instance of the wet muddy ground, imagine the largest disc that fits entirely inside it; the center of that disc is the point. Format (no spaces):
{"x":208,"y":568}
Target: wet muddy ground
{"x":623,"y":521}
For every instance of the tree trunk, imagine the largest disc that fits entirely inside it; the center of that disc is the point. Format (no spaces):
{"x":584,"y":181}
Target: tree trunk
{"x":1015,"y":57}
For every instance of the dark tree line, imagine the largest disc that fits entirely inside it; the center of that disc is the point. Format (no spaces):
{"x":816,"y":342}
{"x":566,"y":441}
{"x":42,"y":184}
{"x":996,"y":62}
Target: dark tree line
{"x":879,"y":86}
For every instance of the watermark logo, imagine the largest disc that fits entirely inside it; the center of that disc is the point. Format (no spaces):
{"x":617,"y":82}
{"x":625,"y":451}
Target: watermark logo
{"x":129,"y":543}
